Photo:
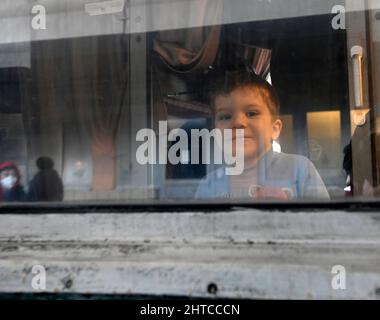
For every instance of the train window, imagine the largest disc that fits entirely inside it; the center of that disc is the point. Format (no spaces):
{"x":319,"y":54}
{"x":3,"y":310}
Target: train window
{"x":194,"y":101}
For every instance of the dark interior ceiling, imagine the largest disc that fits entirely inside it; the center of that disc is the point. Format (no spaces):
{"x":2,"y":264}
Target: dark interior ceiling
{"x":309,"y":62}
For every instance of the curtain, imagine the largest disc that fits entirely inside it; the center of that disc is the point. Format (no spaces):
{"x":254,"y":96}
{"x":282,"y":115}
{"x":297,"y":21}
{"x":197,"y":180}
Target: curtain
{"x":75,"y":108}
{"x":192,"y":49}
{"x":43,"y":114}
{"x":97,"y":87}
{"x":258,"y":59}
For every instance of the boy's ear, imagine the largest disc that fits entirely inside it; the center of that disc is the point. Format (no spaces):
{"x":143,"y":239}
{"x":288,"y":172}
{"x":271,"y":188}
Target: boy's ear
{"x":276,"y":126}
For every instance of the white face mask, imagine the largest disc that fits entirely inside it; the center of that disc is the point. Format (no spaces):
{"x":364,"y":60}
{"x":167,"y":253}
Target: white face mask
{"x":8,"y":182}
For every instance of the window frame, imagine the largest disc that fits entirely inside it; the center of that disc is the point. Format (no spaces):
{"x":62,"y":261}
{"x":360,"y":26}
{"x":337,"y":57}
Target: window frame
{"x":84,"y":245}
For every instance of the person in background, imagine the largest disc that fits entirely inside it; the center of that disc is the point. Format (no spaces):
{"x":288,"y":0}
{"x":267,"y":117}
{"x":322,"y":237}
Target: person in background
{"x":11,"y":189}
{"x":46,"y":185}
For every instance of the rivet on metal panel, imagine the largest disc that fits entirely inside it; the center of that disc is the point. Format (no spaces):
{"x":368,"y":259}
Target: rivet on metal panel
{"x":212,"y":288}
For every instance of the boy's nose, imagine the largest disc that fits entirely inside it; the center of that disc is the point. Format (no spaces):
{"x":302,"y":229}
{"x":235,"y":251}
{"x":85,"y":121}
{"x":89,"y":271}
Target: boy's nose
{"x":238,"y":121}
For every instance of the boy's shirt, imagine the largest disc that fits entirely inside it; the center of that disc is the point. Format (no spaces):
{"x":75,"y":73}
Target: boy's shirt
{"x":276,"y":176}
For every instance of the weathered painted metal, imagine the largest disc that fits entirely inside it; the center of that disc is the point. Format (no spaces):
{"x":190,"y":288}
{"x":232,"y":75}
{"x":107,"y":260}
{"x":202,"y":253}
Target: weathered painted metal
{"x":244,"y":253}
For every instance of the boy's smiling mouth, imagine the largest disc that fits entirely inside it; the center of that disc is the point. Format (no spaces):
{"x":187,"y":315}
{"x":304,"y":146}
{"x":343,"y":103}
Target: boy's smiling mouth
{"x":244,"y":137}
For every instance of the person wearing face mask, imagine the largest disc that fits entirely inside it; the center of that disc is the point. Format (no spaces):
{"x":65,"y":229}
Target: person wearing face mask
{"x":10,"y":187}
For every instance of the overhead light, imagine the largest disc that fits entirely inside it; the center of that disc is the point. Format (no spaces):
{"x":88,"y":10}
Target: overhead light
{"x":105,"y":7}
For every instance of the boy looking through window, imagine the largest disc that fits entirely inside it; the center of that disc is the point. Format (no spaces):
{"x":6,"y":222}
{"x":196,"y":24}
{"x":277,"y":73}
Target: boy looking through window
{"x":241,"y":100}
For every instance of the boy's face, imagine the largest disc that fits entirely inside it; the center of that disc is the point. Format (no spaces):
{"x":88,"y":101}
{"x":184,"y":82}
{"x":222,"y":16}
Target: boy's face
{"x":245,"y":108}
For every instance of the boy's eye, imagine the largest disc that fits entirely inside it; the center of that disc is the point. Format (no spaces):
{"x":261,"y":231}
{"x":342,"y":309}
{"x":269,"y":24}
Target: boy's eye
{"x":224,"y":117}
{"x":251,"y":113}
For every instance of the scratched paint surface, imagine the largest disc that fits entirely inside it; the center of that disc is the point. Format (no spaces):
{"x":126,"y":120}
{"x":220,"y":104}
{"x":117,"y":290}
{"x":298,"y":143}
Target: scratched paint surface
{"x":244,"y":253}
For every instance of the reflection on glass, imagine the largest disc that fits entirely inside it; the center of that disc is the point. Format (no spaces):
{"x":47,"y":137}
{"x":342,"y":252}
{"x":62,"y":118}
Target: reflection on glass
{"x":79,"y":93}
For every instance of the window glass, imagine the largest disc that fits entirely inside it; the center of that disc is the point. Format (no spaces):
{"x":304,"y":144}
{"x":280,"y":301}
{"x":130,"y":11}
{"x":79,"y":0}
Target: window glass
{"x":161,"y":100}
